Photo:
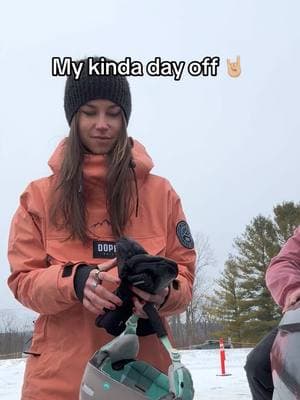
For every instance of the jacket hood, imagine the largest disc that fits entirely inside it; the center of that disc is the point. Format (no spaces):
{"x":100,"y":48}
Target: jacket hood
{"x":95,"y":166}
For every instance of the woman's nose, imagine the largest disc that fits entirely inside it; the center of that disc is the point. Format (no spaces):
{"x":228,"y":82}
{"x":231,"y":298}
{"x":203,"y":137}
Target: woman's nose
{"x":101,"y":122}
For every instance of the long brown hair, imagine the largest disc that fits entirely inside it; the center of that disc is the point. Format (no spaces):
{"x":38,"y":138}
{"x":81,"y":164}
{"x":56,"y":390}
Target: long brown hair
{"x":69,"y":202}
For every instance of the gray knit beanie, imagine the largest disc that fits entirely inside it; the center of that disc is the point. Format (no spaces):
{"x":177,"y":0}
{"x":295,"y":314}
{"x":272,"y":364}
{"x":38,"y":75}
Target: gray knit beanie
{"x":90,"y":87}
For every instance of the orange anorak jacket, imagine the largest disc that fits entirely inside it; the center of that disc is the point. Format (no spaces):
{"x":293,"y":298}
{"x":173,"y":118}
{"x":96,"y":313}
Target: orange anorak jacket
{"x":65,"y":335}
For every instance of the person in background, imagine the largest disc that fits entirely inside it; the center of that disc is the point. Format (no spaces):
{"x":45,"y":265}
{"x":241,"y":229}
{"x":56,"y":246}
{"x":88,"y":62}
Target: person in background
{"x":283,"y":282}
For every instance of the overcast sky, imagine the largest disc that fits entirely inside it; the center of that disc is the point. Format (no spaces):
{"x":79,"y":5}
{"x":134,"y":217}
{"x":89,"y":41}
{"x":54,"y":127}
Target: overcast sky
{"x":230,"y":146}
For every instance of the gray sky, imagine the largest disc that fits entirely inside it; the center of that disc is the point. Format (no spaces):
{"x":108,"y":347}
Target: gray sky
{"x":230,"y":147}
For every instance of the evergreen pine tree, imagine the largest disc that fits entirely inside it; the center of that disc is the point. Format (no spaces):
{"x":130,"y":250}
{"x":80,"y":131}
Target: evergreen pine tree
{"x":287,"y":218}
{"x":242,"y":302}
{"x":255,"y":249}
{"x":225,"y":302}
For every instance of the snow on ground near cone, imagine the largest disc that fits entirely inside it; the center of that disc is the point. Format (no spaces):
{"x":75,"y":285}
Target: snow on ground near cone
{"x":203,"y":364}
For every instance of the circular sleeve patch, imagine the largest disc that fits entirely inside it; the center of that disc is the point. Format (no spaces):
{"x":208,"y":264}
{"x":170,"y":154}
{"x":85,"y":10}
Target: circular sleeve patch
{"x":184,"y":235}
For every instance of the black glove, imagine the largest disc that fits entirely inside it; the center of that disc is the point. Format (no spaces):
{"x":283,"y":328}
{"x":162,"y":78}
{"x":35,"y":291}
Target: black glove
{"x":136,"y":268}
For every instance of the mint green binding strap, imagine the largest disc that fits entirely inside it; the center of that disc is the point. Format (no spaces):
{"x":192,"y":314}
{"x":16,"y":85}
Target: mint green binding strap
{"x":181,"y":383}
{"x":131,"y":325}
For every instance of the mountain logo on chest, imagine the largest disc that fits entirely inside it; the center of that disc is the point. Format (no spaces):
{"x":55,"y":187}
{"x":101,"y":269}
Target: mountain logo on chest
{"x":99,"y":223}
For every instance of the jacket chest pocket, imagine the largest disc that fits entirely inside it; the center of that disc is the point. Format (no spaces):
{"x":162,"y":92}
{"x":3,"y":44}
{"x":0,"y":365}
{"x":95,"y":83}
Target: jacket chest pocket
{"x":66,"y":250}
{"x":73,"y":251}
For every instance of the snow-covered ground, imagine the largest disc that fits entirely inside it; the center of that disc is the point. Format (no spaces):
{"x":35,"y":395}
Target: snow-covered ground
{"x":203,"y":364}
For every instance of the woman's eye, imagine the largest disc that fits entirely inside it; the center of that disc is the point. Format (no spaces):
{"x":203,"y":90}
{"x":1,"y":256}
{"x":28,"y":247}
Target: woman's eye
{"x":114,"y":113}
{"x":90,"y":113}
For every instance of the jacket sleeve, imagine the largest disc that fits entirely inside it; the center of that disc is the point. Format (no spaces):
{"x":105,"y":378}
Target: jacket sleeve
{"x":283,"y":273}
{"x":44,"y":288}
{"x":180,"y":248}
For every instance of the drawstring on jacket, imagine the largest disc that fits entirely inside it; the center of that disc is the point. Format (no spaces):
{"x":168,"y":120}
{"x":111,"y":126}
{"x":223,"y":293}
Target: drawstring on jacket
{"x":132,"y":166}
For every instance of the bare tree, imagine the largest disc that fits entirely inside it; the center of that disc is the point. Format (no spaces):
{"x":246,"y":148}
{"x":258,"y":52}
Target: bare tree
{"x":13,"y":336}
{"x":186,"y":327}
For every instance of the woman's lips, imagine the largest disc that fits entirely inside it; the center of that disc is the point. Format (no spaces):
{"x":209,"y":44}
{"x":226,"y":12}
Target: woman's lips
{"x":100,"y":138}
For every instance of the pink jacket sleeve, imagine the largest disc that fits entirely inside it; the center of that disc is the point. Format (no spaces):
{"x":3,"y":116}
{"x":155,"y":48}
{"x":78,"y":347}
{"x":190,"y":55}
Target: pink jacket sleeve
{"x":180,"y":249}
{"x":283,"y":273}
{"x":37,"y":285}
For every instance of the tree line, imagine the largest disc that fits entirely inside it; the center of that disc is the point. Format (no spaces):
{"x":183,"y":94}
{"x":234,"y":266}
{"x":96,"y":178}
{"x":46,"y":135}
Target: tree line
{"x":14,"y":338}
{"x":240,"y":305}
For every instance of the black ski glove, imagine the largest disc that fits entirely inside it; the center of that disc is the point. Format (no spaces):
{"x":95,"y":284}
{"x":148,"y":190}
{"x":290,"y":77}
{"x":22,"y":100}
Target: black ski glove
{"x":136,"y":268}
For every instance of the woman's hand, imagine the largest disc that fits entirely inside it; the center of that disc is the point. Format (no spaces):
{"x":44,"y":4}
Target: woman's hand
{"x":291,"y":299}
{"x":145,"y":297}
{"x":95,"y":296}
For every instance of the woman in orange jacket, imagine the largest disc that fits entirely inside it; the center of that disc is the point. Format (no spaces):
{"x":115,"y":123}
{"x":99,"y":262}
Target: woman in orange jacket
{"x":67,"y":223}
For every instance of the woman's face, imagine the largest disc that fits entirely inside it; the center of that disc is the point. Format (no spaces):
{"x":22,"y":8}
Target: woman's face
{"x":100,"y":123}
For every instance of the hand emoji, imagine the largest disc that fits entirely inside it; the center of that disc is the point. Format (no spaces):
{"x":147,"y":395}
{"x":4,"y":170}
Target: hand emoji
{"x":234,"y":69}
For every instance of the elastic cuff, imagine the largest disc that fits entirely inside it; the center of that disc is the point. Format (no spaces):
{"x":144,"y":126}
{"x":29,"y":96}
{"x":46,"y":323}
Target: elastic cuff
{"x":81,"y":276}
